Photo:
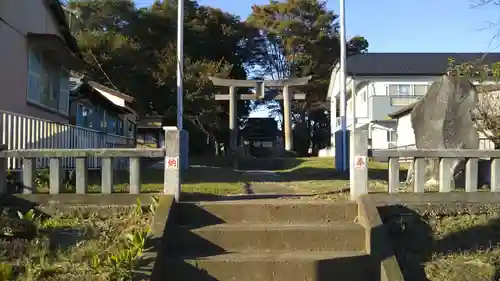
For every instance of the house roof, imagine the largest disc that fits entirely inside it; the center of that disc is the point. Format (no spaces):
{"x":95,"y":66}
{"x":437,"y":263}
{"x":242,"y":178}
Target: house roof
{"x":57,"y":11}
{"x":410,"y":64}
{"x":77,"y":80}
{"x":402,"y":112}
{"x":150,"y":122}
{"x":386,"y":124}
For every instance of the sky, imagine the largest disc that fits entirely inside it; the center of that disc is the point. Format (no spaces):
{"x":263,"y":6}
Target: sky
{"x":403,"y":25}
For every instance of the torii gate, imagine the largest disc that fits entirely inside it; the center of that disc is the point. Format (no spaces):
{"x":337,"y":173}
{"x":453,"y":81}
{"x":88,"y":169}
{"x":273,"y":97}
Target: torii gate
{"x":259,"y":94}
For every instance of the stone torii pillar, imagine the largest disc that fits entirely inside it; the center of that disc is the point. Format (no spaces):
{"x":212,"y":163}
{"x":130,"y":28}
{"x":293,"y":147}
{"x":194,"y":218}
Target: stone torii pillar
{"x":259,"y":86}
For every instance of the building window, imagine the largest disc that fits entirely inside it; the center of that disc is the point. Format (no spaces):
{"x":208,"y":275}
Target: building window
{"x":362,"y":97}
{"x":420,"y":90}
{"x":131,"y":129}
{"x":85,"y":116}
{"x":399,"y":90}
{"x":407,"y":89}
{"x":48,"y":83}
{"x":114,"y":125}
{"x":392,"y":136}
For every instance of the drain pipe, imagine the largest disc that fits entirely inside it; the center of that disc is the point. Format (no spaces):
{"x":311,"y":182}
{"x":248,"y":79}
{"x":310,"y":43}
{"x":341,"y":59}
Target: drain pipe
{"x":370,"y":128}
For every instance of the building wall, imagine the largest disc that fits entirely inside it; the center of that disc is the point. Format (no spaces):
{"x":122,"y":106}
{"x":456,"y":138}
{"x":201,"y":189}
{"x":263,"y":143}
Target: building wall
{"x":377,"y":104}
{"x":18,"y":17}
{"x":379,"y":138}
{"x":406,"y":136}
{"x":405,"y":133}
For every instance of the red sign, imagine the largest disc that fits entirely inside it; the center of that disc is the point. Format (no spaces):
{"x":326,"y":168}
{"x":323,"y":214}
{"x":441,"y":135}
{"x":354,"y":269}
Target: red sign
{"x":172,"y":162}
{"x":360,"y":162}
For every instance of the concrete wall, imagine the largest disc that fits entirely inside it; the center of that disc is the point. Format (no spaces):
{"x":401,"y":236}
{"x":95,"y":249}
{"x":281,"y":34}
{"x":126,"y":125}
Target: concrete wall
{"x":379,"y":138}
{"x":405,"y":131}
{"x":21,"y":17}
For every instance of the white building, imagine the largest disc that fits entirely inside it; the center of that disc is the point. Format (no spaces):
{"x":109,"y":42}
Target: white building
{"x":406,"y":135}
{"x":384,"y":83}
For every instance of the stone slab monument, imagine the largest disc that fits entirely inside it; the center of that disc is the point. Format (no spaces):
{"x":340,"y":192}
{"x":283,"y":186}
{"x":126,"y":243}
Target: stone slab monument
{"x":442,"y":119}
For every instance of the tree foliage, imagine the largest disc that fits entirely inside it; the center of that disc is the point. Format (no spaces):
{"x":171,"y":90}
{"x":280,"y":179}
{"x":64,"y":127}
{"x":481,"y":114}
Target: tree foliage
{"x":136,"y":50}
{"x":486,"y":114}
{"x":301,"y":38}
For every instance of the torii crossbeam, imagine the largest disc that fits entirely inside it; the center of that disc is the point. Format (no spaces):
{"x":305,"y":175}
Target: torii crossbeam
{"x":259,"y":86}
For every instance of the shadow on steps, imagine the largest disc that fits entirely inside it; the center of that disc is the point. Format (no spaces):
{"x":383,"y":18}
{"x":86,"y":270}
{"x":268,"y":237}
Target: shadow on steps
{"x":198,"y":259}
{"x":353,"y":268}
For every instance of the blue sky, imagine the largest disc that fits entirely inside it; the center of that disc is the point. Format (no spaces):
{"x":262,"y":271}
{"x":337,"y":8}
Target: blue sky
{"x":404,"y":25}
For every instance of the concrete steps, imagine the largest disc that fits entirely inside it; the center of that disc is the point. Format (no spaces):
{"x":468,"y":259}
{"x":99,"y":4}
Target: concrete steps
{"x":279,"y":240}
{"x":266,"y":211}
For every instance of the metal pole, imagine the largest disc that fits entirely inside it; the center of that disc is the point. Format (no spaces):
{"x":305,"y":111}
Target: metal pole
{"x":180,"y":60}
{"x":343,"y":94}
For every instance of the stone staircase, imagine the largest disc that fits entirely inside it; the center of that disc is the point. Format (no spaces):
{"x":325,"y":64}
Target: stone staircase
{"x":279,"y":240}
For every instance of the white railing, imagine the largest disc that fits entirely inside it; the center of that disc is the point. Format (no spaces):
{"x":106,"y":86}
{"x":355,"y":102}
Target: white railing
{"x":19,"y":131}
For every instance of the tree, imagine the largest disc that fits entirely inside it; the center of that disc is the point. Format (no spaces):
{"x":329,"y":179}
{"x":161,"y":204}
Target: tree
{"x":134,"y":50}
{"x":486,"y":114}
{"x":300,"y":38}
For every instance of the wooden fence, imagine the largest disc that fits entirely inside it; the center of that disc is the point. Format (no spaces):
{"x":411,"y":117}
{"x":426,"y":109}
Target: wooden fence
{"x":446,"y":157}
{"x":24,"y":132}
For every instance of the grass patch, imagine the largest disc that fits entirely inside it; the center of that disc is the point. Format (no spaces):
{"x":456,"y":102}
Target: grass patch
{"x":211,"y":177}
{"x":438,"y":247}
{"x":78,"y":243}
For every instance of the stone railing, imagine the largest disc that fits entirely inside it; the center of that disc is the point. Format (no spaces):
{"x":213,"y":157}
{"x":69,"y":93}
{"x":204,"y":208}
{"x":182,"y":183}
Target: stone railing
{"x":446,"y":158}
{"x":106,"y":155}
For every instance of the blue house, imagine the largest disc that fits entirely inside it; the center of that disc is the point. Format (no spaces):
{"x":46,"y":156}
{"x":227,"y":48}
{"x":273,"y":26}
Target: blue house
{"x":99,"y":108}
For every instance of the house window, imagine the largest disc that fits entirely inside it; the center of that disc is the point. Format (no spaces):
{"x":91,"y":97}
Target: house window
{"x":48,"y":83}
{"x":115,"y":125}
{"x":361,"y":97}
{"x":420,"y":90}
{"x":392,"y":136}
{"x":120,"y":127}
{"x":85,"y":116}
{"x":131,"y":129}
{"x":399,"y":90}
{"x":111,"y":128}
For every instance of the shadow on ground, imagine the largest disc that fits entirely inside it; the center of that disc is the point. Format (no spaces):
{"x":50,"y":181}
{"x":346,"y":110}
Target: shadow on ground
{"x":415,"y":245}
{"x":282,"y":170}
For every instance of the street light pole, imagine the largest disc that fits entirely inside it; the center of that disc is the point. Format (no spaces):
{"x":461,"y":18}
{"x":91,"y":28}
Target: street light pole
{"x":180,"y":60}
{"x":343,"y":93}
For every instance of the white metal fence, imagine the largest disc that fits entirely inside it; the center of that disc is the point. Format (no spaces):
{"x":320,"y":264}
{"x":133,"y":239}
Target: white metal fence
{"x":24,"y":132}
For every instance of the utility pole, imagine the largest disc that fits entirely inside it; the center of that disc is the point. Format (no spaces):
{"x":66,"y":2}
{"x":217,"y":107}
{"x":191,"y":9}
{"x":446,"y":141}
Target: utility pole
{"x":343,"y":92}
{"x":180,"y":61}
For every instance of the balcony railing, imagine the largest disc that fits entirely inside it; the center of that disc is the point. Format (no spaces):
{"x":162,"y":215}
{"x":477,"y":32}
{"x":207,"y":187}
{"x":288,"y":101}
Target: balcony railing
{"x":24,"y":132}
{"x":403,"y":100}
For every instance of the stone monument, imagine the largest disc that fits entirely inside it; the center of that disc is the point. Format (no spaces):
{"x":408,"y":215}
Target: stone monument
{"x":442,"y":119}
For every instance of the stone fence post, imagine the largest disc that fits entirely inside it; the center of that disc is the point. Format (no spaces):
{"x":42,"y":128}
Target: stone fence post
{"x":359,"y":166}
{"x":172,"y":175}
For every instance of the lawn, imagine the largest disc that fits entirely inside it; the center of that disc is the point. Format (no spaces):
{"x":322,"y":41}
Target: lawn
{"x":447,"y":247}
{"x":312,"y":175}
{"x":216,"y":176}
{"x":78,"y":243}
